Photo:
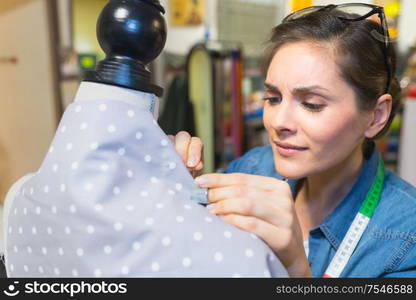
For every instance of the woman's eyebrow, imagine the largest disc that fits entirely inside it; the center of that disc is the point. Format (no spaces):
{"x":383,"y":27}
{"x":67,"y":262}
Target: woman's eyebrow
{"x":308,"y":89}
{"x":271,"y":87}
{"x":313,"y":89}
{"x":299,"y":90}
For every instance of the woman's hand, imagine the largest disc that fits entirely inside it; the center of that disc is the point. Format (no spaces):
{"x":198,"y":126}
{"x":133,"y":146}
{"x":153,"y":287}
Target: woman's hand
{"x":190,"y":149}
{"x":263,"y":206}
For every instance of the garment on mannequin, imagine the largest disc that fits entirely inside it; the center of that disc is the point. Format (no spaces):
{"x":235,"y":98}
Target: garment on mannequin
{"x":112,"y":198}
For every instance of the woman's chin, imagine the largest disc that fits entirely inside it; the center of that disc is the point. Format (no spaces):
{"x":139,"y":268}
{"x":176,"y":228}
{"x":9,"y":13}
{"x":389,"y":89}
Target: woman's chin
{"x":290,"y":170}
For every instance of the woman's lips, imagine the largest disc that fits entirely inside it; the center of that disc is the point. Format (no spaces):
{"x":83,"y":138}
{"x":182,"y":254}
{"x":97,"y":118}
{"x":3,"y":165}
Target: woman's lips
{"x":286,"y":149}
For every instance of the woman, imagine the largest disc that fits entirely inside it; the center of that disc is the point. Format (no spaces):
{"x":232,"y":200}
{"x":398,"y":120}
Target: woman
{"x":329,"y":93}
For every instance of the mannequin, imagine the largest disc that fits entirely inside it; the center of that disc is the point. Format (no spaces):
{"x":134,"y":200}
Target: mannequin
{"x":112,"y":197}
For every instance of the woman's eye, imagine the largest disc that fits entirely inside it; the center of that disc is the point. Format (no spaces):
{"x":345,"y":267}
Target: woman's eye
{"x":273,"y":99}
{"x":313,"y":107}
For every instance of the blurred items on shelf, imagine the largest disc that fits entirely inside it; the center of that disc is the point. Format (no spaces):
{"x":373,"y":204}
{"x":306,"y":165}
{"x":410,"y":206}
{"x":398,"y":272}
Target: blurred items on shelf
{"x":84,"y":19}
{"x":300,"y":4}
{"x":73,"y":64}
{"x":409,"y":75}
{"x":215,"y":74}
{"x":186,"y":12}
{"x":177,"y":114}
{"x":406,"y":139}
{"x":70,"y":76}
{"x":84,"y":50}
{"x":249,"y":22}
{"x":407,"y":160}
{"x":392,"y":11}
{"x":87,"y":61}
{"x":253,"y":106}
{"x":253,"y":87}
{"x":223,"y":105}
{"x":69,"y":64}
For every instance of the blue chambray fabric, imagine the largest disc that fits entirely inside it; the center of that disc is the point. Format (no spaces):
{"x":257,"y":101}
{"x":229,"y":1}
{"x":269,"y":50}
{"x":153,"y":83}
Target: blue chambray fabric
{"x":112,"y":198}
{"x":387,"y":247}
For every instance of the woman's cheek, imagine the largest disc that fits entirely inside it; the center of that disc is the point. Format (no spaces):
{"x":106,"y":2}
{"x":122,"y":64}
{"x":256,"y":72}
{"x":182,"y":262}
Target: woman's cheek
{"x":338,"y":133}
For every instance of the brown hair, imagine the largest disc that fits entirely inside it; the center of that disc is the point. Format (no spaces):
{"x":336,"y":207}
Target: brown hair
{"x":360,"y":54}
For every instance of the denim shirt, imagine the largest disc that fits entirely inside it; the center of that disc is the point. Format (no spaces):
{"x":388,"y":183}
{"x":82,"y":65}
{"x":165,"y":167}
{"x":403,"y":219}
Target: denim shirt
{"x":388,"y":245}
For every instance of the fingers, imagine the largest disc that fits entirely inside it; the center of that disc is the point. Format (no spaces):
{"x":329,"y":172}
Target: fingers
{"x":231,"y":191}
{"x":195,"y":151}
{"x":182,"y":141}
{"x":190,"y":150}
{"x":262,"y":209}
{"x":221,"y":180}
{"x":199,"y":166}
{"x":238,"y":206}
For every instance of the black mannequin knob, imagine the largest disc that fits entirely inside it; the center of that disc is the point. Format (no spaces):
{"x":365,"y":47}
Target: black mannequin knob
{"x":132,"y":33}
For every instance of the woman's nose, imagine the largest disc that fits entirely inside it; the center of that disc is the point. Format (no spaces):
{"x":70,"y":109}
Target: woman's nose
{"x":283,"y":118}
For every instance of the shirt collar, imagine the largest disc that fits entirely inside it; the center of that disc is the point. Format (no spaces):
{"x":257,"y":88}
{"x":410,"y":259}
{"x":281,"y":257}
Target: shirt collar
{"x":90,"y":91}
{"x":336,"y":225}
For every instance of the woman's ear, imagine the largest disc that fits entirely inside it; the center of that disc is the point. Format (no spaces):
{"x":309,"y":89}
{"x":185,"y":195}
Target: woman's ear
{"x":380,"y":115}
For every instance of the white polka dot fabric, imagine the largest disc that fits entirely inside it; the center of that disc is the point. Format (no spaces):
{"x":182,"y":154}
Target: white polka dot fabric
{"x":113,"y":199}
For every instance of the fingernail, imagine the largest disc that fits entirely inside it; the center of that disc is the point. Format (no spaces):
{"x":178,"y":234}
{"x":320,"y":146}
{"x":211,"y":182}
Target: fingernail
{"x":211,"y":207}
{"x":201,"y":180}
{"x":192,"y":161}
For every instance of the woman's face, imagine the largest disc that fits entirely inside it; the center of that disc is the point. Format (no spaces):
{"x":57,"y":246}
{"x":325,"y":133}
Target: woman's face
{"x":311,"y":113}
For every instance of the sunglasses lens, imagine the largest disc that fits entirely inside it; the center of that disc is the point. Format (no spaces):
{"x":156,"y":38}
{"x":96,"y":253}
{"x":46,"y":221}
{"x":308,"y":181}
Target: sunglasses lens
{"x":355,"y":10}
{"x":352,"y":11}
{"x":301,"y":13}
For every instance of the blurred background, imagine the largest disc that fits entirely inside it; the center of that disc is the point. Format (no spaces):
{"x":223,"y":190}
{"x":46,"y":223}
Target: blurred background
{"x":210,"y":70}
